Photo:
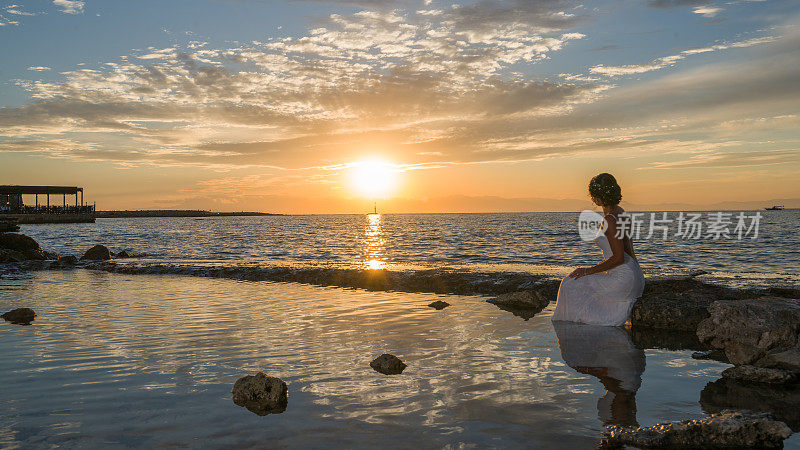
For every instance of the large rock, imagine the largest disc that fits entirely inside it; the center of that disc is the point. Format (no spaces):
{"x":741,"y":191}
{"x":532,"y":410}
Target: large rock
{"x":727,"y":429}
{"x":678,"y":303}
{"x":20,"y":316}
{"x":780,"y":400}
{"x":97,"y":253}
{"x":10,"y":256}
{"x":760,"y":332}
{"x":25,"y":245}
{"x":787,"y":360}
{"x":752,"y":374}
{"x":261,"y":394}
{"x":388,"y":364}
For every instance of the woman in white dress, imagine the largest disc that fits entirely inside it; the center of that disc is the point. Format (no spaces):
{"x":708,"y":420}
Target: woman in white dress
{"x":604,"y":293}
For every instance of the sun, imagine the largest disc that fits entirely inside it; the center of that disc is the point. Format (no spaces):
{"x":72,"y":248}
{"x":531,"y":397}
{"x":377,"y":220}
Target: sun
{"x":374,"y":178}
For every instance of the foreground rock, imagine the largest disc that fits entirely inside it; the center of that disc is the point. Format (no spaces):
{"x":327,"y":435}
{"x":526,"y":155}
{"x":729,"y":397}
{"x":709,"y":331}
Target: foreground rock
{"x":522,"y":300}
{"x":679,"y":304}
{"x":17,"y":245}
{"x":261,"y":394}
{"x":97,"y":253}
{"x":752,"y":374}
{"x":762,"y":332}
{"x":22,"y":316}
{"x":525,"y":304}
{"x":780,"y":400}
{"x":388,"y":364}
{"x":727,"y":429}
{"x":439,"y":305}
{"x":11,"y":256}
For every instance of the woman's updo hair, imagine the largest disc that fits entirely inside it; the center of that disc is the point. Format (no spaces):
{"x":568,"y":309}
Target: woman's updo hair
{"x":605,"y":188}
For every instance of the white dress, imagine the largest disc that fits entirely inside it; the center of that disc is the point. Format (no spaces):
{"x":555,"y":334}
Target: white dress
{"x":604,"y":298}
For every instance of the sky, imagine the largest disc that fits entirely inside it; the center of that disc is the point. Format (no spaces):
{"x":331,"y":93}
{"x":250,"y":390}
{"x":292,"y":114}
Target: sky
{"x":466,"y":106}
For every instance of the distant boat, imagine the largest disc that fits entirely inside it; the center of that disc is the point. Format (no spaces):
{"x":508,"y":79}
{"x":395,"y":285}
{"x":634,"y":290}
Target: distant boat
{"x":775,"y":208}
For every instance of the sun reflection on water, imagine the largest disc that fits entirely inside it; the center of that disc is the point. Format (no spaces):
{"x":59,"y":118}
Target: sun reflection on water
{"x":374,"y":243}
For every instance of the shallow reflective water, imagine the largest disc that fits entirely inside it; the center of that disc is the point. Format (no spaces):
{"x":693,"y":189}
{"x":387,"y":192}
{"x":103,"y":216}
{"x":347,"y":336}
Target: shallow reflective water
{"x":542,"y":243}
{"x":149,"y":360}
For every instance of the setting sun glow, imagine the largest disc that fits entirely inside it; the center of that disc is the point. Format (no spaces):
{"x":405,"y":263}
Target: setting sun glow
{"x":373,"y":179}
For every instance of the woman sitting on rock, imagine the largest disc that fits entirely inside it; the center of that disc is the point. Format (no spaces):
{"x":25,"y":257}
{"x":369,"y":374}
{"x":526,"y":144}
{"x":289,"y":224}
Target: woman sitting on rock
{"x":604,"y":293}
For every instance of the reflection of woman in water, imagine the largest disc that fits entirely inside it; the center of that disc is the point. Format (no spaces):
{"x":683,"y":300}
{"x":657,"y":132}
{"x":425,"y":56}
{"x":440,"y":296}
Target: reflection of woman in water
{"x":608,"y":354}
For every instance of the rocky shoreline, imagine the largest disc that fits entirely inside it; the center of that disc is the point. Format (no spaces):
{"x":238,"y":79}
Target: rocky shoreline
{"x":755,"y":330}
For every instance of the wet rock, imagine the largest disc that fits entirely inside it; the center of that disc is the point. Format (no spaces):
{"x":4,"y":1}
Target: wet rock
{"x":752,"y":374}
{"x":11,"y":256}
{"x":123,"y":254}
{"x":697,"y":273}
{"x":680,"y":303}
{"x":530,"y":299}
{"x":25,"y":245}
{"x":439,"y":305}
{"x":715,"y":354}
{"x":785,"y":292}
{"x":388,"y":364}
{"x":754,"y":329}
{"x":525,"y":304}
{"x":780,"y":400}
{"x":22,"y":316}
{"x":787,"y":360}
{"x":97,"y":253}
{"x":68,"y":260}
{"x":726,"y":429}
{"x":261,"y":394}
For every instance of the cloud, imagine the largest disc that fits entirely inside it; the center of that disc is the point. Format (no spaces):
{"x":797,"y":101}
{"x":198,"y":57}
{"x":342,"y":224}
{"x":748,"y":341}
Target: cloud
{"x":667,"y":61}
{"x":733,"y":159}
{"x":664,"y":4}
{"x":707,"y":11}
{"x":39,"y":68}
{"x":15,"y":9}
{"x":422,"y":89}
{"x":70,"y":6}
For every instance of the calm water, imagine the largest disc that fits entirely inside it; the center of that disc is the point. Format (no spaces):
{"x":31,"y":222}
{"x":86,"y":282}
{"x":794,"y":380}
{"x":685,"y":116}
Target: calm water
{"x":149,"y":361}
{"x":117,"y":360}
{"x":545,"y":243}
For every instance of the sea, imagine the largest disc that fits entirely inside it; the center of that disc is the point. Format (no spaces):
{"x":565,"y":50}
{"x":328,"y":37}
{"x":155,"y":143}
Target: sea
{"x":147,"y":357}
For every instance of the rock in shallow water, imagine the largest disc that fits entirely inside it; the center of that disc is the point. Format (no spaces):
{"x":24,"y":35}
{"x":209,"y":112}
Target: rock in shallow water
{"x":261,"y":394}
{"x":752,"y":374}
{"x":756,"y":332}
{"x":726,"y":429}
{"x":780,"y":400}
{"x":439,"y":305}
{"x":11,"y":256}
{"x":97,"y":253}
{"x":22,"y":316}
{"x":388,"y":364}
{"x":521,"y":299}
{"x":24,"y":245}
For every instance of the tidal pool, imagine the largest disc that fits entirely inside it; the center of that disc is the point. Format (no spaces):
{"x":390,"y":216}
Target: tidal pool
{"x":115,"y":360}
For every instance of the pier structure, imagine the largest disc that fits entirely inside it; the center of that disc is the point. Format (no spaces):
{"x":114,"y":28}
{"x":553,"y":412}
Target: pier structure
{"x":46,"y":207}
